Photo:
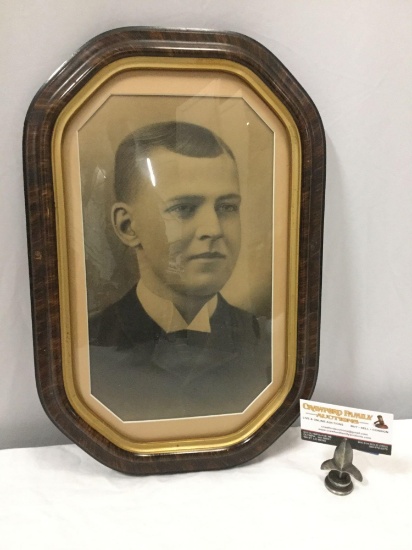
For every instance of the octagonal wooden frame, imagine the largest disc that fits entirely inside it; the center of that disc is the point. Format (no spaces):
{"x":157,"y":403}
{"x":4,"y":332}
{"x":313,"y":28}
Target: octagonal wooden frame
{"x":157,"y":48}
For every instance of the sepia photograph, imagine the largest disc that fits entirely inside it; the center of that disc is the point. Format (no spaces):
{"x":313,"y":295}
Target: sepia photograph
{"x":172,"y":346}
{"x":163,"y":237}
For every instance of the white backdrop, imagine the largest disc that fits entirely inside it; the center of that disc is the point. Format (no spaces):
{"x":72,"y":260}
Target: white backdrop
{"x":354,"y":59}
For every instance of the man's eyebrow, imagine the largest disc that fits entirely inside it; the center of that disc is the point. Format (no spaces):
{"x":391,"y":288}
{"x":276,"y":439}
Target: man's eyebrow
{"x":185,"y":198}
{"x":229,"y":196}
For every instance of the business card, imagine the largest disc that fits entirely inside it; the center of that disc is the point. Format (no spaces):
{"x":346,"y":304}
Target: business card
{"x":368,"y":431}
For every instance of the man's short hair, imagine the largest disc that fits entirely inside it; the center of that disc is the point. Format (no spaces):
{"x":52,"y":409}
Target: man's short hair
{"x":184,"y":138}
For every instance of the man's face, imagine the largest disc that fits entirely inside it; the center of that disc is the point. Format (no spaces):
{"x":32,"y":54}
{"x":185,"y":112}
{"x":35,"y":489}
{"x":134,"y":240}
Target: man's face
{"x":186,"y":218}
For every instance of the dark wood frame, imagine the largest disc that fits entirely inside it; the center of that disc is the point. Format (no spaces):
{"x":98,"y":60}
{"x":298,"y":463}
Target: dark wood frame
{"x":42,"y":234}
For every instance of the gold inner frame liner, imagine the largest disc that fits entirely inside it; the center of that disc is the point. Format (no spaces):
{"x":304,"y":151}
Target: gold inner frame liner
{"x":184,"y":64}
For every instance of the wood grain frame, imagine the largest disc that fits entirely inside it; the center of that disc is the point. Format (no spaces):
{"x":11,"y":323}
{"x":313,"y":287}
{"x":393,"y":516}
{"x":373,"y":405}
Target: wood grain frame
{"x":43,"y":236}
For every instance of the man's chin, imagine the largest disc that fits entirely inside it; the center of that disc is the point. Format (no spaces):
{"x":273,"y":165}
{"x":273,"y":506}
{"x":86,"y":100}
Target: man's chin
{"x":199,"y":291}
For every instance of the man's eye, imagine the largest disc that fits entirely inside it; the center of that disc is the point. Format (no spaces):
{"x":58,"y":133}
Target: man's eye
{"x":226,"y":208}
{"x":182,"y":210}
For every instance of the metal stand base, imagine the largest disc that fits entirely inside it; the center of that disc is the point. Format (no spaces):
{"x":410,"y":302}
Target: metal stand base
{"x":338,"y":483}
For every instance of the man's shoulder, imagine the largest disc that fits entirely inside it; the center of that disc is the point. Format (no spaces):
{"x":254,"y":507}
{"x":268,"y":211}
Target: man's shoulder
{"x":240,"y":320}
{"x":120,"y":323}
{"x":232,"y":311}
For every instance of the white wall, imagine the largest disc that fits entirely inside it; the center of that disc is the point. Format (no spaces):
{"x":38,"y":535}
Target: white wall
{"x":353,"y":58}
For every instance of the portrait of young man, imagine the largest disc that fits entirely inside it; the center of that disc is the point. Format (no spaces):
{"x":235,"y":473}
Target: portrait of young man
{"x":172,"y":346}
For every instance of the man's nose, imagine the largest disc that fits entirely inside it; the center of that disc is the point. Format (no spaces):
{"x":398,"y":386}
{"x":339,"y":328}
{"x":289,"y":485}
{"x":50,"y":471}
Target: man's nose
{"x":208,"y":223}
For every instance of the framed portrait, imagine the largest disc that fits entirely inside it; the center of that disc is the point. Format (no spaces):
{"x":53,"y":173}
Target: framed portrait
{"x":174,"y":189}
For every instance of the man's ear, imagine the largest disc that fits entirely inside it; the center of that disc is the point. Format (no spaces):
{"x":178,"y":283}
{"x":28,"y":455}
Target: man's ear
{"x":122,"y":221}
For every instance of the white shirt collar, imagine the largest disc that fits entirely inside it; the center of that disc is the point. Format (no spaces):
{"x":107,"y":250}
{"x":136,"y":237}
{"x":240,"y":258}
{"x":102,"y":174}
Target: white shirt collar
{"x":164,"y":313}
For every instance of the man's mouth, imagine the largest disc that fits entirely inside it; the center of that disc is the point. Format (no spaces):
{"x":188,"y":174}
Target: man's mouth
{"x":207,"y":256}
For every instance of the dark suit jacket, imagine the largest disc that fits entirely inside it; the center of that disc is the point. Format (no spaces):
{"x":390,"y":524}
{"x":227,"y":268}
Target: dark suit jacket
{"x":141,"y":373}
